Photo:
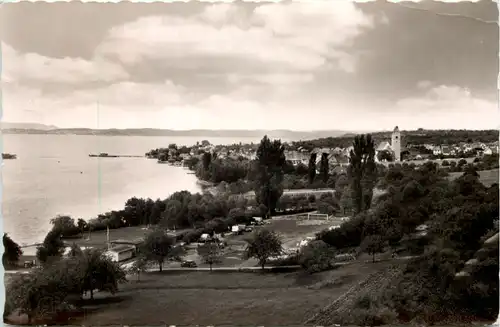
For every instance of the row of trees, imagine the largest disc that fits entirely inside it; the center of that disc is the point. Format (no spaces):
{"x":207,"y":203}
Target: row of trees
{"x":159,"y":247}
{"x":217,"y":170}
{"x":324,"y":168}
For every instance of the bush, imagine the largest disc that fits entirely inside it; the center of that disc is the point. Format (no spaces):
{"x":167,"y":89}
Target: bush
{"x":192,"y":236}
{"x":316,"y":256}
{"x":348,"y":235}
{"x":292,"y":260}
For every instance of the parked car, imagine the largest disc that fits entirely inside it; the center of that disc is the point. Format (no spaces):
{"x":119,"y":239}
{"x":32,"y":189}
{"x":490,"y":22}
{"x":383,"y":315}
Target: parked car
{"x":189,"y":264}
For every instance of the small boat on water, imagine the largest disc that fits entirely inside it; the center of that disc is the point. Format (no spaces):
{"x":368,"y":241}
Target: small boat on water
{"x":6,"y":156}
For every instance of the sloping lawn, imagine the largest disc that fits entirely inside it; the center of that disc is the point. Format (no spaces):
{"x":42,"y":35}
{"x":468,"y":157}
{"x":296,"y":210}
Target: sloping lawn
{"x":218,"y":298}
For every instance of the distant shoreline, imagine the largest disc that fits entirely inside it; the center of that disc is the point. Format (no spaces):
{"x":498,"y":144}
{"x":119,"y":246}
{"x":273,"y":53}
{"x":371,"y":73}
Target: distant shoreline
{"x":202,"y":133}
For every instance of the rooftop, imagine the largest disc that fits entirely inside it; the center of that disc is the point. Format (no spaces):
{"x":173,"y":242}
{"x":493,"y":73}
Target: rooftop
{"x":136,"y":241}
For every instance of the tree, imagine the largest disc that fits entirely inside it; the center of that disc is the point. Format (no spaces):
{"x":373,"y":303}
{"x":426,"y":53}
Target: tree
{"x":172,"y":214}
{"x":301,"y":169}
{"x":270,"y":166}
{"x":210,"y":252}
{"x":140,"y":265}
{"x":64,"y":224}
{"x":362,"y":171}
{"x":311,"y":168}
{"x":35,"y":294}
{"x":206,"y":159}
{"x":82,"y":225}
{"x":158,"y":246}
{"x":12,"y":251}
{"x":44,"y":291}
{"x":98,"y":272}
{"x":385,"y":155}
{"x":324,"y":169}
{"x":163,"y":156}
{"x":52,"y":246}
{"x":262,"y":245}
{"x":345,"y":200}
{"x":372,"y":244}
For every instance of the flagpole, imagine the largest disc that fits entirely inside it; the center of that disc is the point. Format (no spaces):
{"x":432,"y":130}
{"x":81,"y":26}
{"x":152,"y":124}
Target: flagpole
{"x":107,"y":235}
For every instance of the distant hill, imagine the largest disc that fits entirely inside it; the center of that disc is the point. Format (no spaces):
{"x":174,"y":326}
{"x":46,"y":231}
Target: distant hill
{"x":13,"y":128}
{"x":5,"y":126}
{"x":418,"y":137}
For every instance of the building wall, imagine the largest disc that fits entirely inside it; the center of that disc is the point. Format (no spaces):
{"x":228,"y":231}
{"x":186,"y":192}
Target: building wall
{"x":112,"y":255}
{"x":125,"y":255}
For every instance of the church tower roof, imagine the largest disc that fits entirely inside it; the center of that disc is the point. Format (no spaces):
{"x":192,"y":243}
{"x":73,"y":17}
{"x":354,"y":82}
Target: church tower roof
{"x":396,"y":129}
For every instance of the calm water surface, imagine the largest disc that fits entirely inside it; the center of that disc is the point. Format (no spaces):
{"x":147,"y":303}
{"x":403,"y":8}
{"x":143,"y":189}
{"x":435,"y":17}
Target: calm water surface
{"x":53,"y":174}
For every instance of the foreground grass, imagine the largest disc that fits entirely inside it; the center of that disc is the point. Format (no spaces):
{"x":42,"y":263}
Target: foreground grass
{"x":217,"y":298}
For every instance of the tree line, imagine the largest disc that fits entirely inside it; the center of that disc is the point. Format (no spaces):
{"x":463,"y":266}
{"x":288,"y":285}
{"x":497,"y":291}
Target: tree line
{"x":418,"y":137}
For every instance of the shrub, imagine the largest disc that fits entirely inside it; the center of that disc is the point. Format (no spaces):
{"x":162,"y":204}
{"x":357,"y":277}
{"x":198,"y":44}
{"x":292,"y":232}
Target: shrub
{"x":291,"y":260}
{"x":192,"y":236}
{"x":316,"y":256}
{"x":348,"y":235}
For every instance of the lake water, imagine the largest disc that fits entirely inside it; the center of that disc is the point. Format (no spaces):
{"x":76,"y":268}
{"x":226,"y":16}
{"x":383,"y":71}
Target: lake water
{"x":53,"y":174}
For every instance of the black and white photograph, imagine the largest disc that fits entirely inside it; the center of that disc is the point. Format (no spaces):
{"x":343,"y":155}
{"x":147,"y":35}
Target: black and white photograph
{"x":244,"y":163}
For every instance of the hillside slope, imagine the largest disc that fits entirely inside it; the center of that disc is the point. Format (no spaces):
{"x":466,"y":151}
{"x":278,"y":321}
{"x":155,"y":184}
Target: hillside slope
{"x":339,"y":311}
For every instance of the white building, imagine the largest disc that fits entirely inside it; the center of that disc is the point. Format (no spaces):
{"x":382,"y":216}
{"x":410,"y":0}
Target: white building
{"x":120,"y":252}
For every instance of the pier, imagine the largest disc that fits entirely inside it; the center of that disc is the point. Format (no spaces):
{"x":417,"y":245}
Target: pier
{"x":106,"y":155}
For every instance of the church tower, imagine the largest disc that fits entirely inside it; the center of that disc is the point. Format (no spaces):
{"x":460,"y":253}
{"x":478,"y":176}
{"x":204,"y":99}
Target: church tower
{"x":396,"y":144}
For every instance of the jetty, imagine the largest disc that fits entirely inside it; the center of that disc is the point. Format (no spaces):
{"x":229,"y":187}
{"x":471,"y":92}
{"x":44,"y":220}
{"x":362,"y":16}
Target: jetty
{"x":107,"y":155}
{"x":8,"y":156}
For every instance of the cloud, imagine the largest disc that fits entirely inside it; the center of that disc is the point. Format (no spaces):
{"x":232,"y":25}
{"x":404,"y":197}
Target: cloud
{"x":424,"y":84}
{"x":273,"y":79}
{"x":448,"y":106}
{"x":292,"y":36}
{"x":133,"y":96}
{"x":125,"y":100}
{"x":34,"y":67}
{"x":445,"y":1}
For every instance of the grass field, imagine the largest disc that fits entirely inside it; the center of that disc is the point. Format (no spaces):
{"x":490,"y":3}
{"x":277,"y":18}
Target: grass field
{"x":487,"y":177}
{"x":98,"y":238}
{"x":203,"y":298}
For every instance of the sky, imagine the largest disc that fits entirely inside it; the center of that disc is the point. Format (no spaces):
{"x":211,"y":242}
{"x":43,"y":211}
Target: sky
{"x":317,"y":65}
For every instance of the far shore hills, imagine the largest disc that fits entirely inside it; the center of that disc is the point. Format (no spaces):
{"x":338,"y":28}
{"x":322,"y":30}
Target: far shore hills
{"x":34,"y":128}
